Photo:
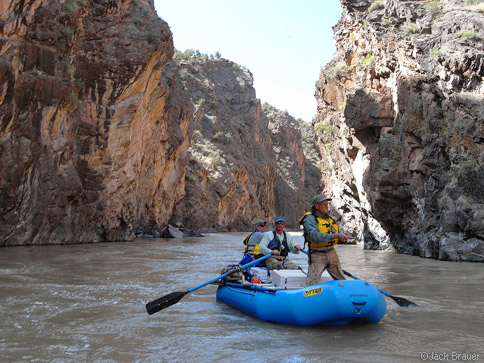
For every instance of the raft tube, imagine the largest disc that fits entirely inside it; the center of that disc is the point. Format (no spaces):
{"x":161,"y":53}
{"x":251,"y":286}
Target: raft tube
{"x":336,"y":302}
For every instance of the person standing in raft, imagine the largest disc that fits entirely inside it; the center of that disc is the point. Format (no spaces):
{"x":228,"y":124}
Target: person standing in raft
{"x":279,"y":244}
{"x":321,"y":233}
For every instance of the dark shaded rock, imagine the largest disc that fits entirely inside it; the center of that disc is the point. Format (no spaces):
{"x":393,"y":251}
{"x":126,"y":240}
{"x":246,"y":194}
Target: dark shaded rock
{"x":401,"y":111}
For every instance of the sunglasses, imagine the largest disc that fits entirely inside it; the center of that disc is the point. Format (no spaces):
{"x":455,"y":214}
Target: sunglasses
{"x":280,"y":222}
{"x":262,"y":225}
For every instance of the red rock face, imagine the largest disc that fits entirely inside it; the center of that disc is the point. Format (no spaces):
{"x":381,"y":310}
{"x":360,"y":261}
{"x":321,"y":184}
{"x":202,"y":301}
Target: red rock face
{"x":96,"y":128}
{"x":93,"y":130}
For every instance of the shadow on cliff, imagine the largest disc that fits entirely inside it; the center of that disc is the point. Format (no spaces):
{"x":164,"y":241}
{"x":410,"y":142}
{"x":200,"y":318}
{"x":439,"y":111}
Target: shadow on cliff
{"x":423,"y":179}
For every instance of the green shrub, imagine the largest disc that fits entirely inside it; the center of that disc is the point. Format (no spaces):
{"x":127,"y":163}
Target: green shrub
{"x":410,"y":28}
{"x":184,"y":73}
{"x":221,"y":137}
{"x":396,"y":159}
{"x":72,"y":6}
{"x":370,"y":59}
{"x":197,"y":136}
{"x":433,"y":8}
{"x":75,"y":100}
{"x":152,"y":38}
{"x":434,"y":52}
{"x":201,"y":102}
{"x":215,"y":160}
{"x":324,"y":126}
{"x":339,"y":66}
{"x":191,"y":178}
{"x":377,"y":5}
{"x":187,"y":54}
{"x":66,"y":32}
{"x":471,"y":34}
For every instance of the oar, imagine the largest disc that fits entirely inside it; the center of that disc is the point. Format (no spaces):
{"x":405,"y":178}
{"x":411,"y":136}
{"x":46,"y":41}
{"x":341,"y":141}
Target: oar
{"x":399,"y":300}
{"x":300,"y":268}
{"x":171,"y":299}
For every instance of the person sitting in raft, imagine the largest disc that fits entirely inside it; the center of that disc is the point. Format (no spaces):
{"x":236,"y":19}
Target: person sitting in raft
{"x":279,"y":244}
{"x":253,"y":239}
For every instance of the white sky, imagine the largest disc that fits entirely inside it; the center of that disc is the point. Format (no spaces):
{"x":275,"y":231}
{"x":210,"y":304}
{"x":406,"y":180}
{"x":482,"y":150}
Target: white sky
{"x":284,"y":43}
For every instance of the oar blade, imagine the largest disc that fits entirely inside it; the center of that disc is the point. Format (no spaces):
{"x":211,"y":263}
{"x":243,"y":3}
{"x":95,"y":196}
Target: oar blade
{"x":399,"y":300}
{"x":164,"y":302}
{"x":174,"y":297}
{"x":402,"y":301}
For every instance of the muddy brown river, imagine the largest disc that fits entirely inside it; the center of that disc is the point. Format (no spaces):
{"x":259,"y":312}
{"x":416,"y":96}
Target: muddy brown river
{"x":85,"y":303}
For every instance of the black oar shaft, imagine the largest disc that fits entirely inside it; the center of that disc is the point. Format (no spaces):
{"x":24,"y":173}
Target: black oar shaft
{"x":399,"y":300}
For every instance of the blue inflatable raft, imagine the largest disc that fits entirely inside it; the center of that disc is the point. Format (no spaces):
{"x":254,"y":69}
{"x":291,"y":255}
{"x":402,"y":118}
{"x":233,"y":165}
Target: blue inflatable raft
{"x":334,"y":302}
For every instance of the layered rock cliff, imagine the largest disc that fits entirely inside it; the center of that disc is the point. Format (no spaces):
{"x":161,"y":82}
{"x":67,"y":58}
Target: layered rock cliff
{"x":400,"y":126}
{"x":298,"y":175}
{"x":103,"y":136}
{"x":247,"y":161}
{"x":94,"y":127}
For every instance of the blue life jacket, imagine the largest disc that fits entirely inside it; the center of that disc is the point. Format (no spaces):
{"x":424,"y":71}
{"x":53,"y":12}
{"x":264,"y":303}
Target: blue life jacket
{"x":276,"y":244}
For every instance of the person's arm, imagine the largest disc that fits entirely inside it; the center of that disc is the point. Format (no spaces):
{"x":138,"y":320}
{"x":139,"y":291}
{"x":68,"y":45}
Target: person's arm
{"x":264,"y":243}
{"x":290,"y":242}
{"x":255,"y":238}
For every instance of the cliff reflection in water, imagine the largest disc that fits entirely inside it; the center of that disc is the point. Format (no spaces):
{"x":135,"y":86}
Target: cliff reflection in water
{"x":86,"y":303}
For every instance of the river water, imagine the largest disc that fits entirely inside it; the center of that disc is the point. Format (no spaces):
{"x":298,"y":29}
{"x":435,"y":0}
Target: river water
{"x":85,"y":303}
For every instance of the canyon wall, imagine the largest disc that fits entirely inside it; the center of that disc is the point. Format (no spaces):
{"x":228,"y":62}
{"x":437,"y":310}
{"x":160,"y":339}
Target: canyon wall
{"x":247,"y":160}
{"x":400,"y":126}
{"x":94,"y":127}
{"x":298,"y":176}
{"x":104,"y":136}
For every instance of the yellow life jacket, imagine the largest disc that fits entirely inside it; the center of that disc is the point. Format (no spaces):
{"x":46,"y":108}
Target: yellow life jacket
{"x":252,"y":249}
{"x":325,"y":225}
